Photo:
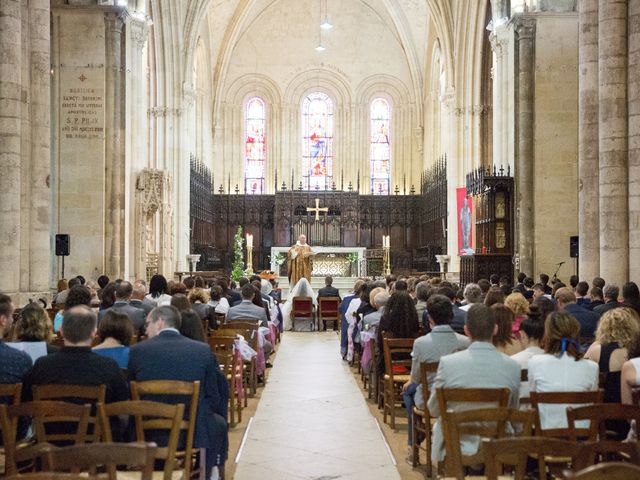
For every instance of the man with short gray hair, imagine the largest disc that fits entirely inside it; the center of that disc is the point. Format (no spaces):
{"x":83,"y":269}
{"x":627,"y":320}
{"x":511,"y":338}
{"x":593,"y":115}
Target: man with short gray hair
{"x":611,"y":294}
{"x":124,"y":291}
{"x":139,"y":297}
{"x":472,"y":294}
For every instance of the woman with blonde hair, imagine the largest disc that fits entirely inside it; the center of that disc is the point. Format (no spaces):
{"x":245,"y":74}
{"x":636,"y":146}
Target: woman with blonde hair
{"x":617,"y":333}
{"x":561,"y":368}
{"x":34,"y":325}
{"x":520,"y":308}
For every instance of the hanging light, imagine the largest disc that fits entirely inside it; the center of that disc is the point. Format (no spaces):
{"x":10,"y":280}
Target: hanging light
{"x":326,"y":23}
{"x":320,"y":48}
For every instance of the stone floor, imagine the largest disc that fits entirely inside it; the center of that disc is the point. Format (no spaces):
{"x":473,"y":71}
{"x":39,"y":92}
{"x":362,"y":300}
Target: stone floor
{"x":312,"y":421}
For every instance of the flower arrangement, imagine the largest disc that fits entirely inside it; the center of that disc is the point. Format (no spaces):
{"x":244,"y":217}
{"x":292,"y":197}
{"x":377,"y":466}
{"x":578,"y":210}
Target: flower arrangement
{"x":279,"y":259}
{"x":237,"y":270}
{"x":352,"y":257}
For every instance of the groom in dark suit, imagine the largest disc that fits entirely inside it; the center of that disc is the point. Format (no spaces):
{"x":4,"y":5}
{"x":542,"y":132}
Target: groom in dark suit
{"x":167,"y":355}
{"x":329,"y":291}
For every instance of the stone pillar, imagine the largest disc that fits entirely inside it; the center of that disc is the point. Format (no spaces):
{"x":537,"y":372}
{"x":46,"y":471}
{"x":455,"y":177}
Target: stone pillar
{"x":114,"y":152}
{"x":634,"y":139}
{"x":10,"y":129}
{"x":40,"y":134}
{"x":137,"y":157}
{"x":525,"y":32}
{"x":613,"y":137}
{"x":588,"y":214}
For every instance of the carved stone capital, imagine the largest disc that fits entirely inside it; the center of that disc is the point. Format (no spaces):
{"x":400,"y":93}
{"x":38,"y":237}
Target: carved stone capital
{"x":114,"y":21}
{"x":163,"y":112}
{"x":139,"y":31}
{"x":525,"y":27}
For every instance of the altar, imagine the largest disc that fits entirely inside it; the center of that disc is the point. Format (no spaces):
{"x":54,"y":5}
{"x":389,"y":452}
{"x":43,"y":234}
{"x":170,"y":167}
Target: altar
{"x":334,"y":261}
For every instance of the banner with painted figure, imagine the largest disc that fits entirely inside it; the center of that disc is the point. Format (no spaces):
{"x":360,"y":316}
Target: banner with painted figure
{"x":465,"y":222}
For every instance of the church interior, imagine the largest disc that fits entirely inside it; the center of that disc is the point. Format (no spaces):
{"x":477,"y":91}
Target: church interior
{"x":415,"y":148}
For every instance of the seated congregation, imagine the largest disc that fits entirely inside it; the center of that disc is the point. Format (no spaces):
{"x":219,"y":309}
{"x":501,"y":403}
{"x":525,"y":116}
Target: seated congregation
{"x":492,"y":369}
{"x":171,"y":366}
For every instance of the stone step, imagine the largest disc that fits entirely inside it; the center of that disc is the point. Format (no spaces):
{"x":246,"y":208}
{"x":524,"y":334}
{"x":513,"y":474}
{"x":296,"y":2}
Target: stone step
{"x":343,"y":284}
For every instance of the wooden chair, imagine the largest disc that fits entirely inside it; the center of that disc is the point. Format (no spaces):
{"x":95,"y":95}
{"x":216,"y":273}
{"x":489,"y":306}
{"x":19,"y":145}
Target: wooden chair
{"x":92,"y":394}
{"x":221,"y":319}
{"x":483,"y":423}
{"x":251,"y":336}
{"x":174,"y":391}
{"x":597,"y":415}
{"x":563,"y":398}
{"x":44,"y":415}
{"x":302,"y":309}
{"x":328,"y":310}
{"x":393,"y":381}
{"x":49,"y":476}
{"x":224,"y":348}
{"x":421,"y":419}
{"x":498,"y":452}
{"x":524,"y":377}
{"x":473,"y":398}
{"x":606,"y":471}
{"x":150,"y":418}
{"x":10,"y":394}
{"x":87,"y":458}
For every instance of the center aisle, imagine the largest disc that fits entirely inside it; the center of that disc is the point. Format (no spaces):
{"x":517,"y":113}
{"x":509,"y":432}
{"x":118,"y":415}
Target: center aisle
{"x":312,"y":421}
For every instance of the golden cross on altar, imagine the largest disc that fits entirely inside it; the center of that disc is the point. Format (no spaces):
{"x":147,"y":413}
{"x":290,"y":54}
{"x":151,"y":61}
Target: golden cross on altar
{"x":317,"y":209}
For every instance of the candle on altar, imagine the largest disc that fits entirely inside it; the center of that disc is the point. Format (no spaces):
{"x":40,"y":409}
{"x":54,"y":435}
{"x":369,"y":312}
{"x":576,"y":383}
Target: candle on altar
{"x":249,"y":240}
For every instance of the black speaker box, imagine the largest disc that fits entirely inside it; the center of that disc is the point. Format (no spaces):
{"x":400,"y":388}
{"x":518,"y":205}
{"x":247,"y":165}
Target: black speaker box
{"x":574,"y":246}
{"x":62,"y":245}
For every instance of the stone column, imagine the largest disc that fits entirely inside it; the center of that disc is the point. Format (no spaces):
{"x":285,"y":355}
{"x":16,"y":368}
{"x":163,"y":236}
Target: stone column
{"x":10,"y":129}
{"x":634,"y":139}
{"x":114,"y":152}
{"x":524,"y":168}
{"x":588,"y":214}
{"x":40,"y":134}
{"x":613,"y":137}
{"x":137,"y":157}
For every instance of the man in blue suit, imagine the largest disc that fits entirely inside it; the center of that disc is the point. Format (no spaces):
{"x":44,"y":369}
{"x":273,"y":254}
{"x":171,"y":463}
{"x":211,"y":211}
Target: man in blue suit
{"x":566,"y":301}
{"x":167,"y":355}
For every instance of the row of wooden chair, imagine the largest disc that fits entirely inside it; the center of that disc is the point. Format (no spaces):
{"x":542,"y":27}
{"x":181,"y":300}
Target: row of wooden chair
{"x":494,"y":419}
{"x":92,"y":419}
{"x":223,"y":343}
{"x":85,"y":460}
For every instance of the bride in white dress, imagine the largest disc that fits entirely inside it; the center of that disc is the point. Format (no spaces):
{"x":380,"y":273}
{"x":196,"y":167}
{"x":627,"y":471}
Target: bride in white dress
{"x":301,"y":289}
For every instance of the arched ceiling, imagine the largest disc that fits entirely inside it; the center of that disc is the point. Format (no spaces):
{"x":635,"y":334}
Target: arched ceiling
{"x":229,"y":21}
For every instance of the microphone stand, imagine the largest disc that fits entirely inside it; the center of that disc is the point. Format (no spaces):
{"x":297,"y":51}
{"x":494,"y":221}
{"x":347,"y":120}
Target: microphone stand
{"x":555,"y":275}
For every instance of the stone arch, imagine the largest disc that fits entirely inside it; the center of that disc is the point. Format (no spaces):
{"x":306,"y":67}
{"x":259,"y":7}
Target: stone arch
{"x":253,"y":84}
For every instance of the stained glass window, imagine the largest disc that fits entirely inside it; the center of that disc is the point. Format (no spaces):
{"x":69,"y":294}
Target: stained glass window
{"x":380,"y":146}
{"x":254,"y":145}
{"x":317,"y":141}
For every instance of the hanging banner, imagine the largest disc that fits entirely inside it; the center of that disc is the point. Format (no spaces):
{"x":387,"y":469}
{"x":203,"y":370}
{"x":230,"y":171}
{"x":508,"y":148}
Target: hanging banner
{"x":465,"y":219}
